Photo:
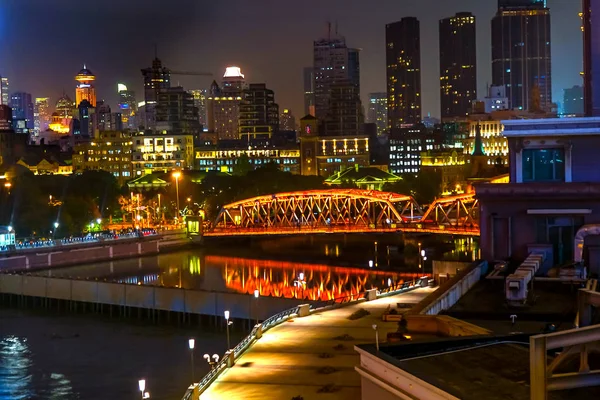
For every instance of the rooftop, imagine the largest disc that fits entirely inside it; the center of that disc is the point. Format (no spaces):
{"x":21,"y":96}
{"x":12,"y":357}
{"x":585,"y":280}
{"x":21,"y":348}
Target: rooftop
{"x":551,"y":127}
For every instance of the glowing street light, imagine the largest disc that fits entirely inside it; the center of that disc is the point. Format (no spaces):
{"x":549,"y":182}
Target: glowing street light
{"x":177,"y":175}
{"x":228,"y":322}
{"x":256,"y":296}
{"x":191,"y":345}
{"x":215,"y":360}
{"x":10,"y":228}
{"x":56,"y":225}
{"x":98,"y":221}
{"x":142,"y":387}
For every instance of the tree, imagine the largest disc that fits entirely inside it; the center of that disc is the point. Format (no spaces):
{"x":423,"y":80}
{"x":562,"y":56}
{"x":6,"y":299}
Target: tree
{"x":242,"y":165}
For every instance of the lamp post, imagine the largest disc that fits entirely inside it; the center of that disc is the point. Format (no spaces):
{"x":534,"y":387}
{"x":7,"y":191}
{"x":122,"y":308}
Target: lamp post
{"x":177,"y":175}
{"x":256,"y":296}
{"x":215,"y":360}
{"x":142,"y":387}
{"x":192,"y":344}
{"x":420,"y":261}
{"x":376,"y":336}
{"x":227,"y":323}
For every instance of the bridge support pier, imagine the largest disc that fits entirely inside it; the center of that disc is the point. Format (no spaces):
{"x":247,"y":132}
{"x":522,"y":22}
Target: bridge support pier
{"x":303,"y":310}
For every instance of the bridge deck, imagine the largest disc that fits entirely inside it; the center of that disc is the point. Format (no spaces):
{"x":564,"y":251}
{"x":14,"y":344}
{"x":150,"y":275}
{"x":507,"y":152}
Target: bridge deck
{"x":409,"y":228}
{"x":286,"y":361}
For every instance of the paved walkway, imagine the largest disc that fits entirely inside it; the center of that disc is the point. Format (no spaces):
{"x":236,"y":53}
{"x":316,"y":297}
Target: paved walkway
{"x":305,"y":355}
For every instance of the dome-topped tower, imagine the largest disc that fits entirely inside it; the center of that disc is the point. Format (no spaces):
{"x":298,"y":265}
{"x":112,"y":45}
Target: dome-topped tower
{"x":85,"y":89}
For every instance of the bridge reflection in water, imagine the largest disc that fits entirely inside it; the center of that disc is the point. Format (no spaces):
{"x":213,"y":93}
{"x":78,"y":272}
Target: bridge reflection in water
{"x":271,"y":278}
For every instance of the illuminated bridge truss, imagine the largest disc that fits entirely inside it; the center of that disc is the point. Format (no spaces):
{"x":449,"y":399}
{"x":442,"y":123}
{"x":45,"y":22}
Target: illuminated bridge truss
{"x":344,"y":210}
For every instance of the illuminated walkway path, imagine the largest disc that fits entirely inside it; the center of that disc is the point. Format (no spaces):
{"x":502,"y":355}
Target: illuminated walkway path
{"x":302,"y":356}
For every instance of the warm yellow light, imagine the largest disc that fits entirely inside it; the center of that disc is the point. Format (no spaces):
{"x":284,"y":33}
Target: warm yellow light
{"x":176,"y":174}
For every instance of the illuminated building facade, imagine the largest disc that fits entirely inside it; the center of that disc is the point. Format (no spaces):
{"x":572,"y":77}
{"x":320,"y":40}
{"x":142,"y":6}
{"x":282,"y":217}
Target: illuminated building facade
{"x":176,"y":112}
{"x":407,"y":145}
{"x":259,"y":114}
{"x":62,"y":118}
{"x":223,"y":104}
{"x":521,"y":52}
{"x":333,"y":62}
{"x":378,"y":111}
{"x":110,"y":152}
{"x":127,"y":107}
{"x":287,"y":121}
{"x":104,"y":119}
{"x":4,"y":94}
{"x":450,"y":165}
{"x":495,"y":145}
{"x":458,"y":65}
{"x":403,"y":62}
{"x":224,"y":159}
{"x":86,"y":119}
{"x":156,"y":79}
{"x":85,"y":89}
{"x":200,"y":97}
{"x":22,"y":109}
{"x":41,"y":115}
{"x":325,"y":155}
{"x":366,"y":178}
{"x":161,"y":152}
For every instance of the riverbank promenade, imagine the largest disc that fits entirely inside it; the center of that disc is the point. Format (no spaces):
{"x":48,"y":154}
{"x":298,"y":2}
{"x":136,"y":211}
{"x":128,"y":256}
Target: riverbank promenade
{"x":312,"y":357}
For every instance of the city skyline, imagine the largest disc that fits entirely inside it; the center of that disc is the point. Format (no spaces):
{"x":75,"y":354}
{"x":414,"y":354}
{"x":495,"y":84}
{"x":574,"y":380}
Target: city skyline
{"x":196,"y":43}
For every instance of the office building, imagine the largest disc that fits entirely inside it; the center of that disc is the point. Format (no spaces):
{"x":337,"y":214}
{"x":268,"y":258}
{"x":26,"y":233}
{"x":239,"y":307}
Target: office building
{"x":176,"y":112}
{"x":223,"y":157}
{"x":86,"y":118}
{"x":403,"y":63}
{"x":153,"y":152}
{"x":85,"y":89}
{"x":344,"y":115}
{"x":156,"y":79}
{"x":573,"y":102}
{"x":110,"y":151}
{"x":521,"y":53}
{"x":22,"y":110}
{"x":333,"y":63}
{"x":4,"y":94}
{"x":128,"y":107}
{"x":259,"y":114}
{"x":378,"y":113}
{"x":41,"y":115}
{"x":287,"y":121}
{"x":223,"y":105}
{"x":495,"y":100}
{"x":309,"y":91}
{"x":324,"y":156}
{"x":458,"y":65}
{"x":200,"y":98}
{"x":103,"y":119}
{"x":408,"y":143}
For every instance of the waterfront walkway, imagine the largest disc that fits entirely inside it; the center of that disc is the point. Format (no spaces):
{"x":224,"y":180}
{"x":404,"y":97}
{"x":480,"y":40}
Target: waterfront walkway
{"x":312,"y":357}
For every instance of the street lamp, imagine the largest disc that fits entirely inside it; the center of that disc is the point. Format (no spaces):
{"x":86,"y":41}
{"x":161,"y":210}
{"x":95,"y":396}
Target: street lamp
{"x":177,"y":175}
{"x":142,"y":387}
{"x":256,"y":296}
{"x":376,"y":336}
{"x":10,"y":228}
{"x":215,"y":360}
{"x":420,"y":256}
{"x":98,"y":221}
{"x":228,"y":322}
{"x":192,"y":344}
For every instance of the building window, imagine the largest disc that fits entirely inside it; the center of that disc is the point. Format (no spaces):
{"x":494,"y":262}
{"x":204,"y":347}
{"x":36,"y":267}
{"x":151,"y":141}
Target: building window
{"x":543,"y":165}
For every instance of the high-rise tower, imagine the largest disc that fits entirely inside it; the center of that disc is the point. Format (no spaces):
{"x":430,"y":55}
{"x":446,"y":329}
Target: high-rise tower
{"x":156,"y":79}
{"x":591,"y":57}
{"x":128,"y":107}
{"x":458,"y":65}
{"x":521,"y":52}
{"x":333,"y":64}
{"x":85,"y":89}
{"x":403,"y":60}
{"x":4,"y":98}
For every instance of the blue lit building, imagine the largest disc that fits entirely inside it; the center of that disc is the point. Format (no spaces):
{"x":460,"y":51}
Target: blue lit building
{"x":591,"y":57}
{"x":22,"y":109}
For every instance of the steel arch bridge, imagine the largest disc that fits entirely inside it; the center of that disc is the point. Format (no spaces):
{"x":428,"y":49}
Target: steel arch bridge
{"x":345,"y":211}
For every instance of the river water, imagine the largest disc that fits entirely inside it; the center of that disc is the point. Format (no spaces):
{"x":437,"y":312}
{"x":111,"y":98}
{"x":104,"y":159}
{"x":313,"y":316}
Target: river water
{"x":46,"y":355}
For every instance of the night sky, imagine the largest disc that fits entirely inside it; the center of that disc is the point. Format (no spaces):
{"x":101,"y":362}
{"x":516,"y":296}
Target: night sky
{"x":44,"y":43}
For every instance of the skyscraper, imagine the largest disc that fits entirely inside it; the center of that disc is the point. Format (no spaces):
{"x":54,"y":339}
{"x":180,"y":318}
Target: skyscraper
{"x":176,"y":112}
{"x":223,"y":105}
{"x":4,"y":97}
{"x":22,"y":108}
{"x":344,"y":114}
{"x":200,"y":96}
{"x":591,"y":57}
{"x":521,"y":53}
{"x":309,"y":91}
{"x":458,"y":65}
{"x":128,"y":107}
{"x":156,"y":78}
{"x":85,"y":89}
{"x":86,"y":118}
{"x":333,"y":63}
{"x":377,"y":113}
{"x":41,"y":115}
{"x":259,"y":114}
{"x":403,"y":61}
{"x":573,"y":102}
{"x":287,"y":121}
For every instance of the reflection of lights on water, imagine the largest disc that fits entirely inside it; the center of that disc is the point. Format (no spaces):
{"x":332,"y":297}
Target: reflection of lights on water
{"x":15,"y":362}
{"x":194,"y":264}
